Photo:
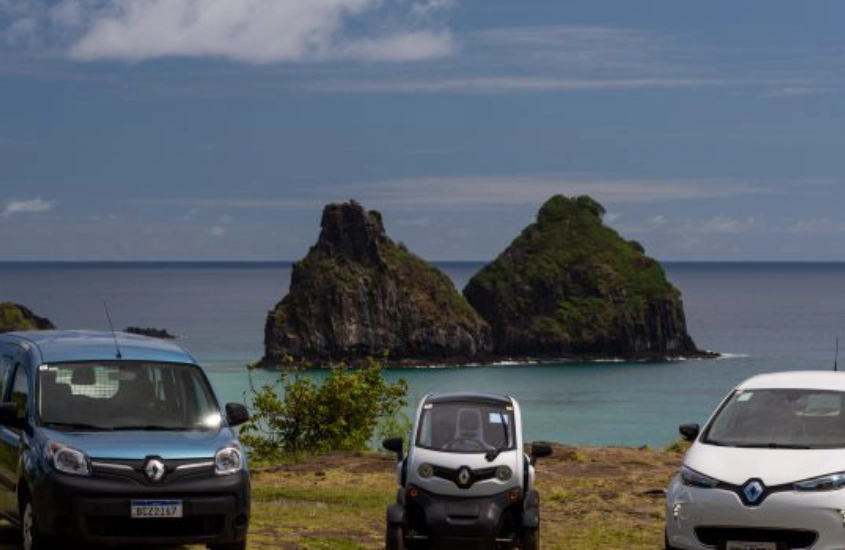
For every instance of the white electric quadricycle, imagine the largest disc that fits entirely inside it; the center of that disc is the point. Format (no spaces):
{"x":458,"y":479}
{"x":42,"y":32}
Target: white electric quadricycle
{"x":465,"y":481}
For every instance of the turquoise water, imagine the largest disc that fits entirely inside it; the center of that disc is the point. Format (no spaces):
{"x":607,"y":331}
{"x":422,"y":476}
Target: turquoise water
{"x":764,"y":317}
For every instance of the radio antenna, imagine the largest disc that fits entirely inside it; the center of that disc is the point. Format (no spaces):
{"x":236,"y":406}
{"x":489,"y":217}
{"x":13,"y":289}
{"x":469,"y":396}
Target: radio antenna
{"x":836,"y":356}
{"x":114,"y":335}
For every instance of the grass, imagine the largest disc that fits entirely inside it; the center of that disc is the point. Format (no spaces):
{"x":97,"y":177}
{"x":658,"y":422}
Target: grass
{"x":591,"y":498}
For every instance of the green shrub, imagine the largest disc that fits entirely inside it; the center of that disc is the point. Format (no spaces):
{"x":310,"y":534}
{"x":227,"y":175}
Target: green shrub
{"x":343,"y":412}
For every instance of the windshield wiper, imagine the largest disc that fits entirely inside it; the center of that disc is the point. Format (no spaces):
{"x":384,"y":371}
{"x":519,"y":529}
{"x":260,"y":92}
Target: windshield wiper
{"x":493,"y":453}
{"x":773,"y":446}
{"x":150,"y":428}
{"x":76,"y":426}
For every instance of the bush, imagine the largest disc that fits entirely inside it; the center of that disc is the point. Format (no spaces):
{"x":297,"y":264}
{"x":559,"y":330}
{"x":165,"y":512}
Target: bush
{"x":342,"y":413}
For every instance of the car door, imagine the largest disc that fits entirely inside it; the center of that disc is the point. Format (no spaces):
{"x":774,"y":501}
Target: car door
{"x":13,"y":362}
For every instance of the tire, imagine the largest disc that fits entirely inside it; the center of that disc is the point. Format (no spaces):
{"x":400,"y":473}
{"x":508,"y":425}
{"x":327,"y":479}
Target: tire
{"x":394,"y":539}
{"x":531,"y":538}
{"x":240,"y":545}
{"x":31,"y":537}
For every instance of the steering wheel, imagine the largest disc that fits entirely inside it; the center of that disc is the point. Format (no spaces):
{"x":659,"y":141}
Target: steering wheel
{"x":466,"y":444}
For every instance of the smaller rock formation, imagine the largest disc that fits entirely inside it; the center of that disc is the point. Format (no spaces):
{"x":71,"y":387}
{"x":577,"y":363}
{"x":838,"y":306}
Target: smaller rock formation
{"x":151,"y":332}
{"x":15,"y":317}
{"x":358,"y":294}
{"x":571,"y":287}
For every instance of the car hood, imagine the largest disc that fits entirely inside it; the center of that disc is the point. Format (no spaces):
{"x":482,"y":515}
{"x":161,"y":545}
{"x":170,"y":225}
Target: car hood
{"x":736,"y":465}
{"x":134,"y":445}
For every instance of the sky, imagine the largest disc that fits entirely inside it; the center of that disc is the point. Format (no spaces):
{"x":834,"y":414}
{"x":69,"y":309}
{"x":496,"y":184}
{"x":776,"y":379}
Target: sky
{"x":218,"y":129}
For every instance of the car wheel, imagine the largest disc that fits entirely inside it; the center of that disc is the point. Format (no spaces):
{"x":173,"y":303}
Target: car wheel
{"x":394,"y":539}
{"x":31,"y":537}
{"x":531,"y":538}
{"x":240,"y":545}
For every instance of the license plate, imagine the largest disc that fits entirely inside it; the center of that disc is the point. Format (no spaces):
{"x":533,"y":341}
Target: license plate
{"x":743,"y":545}
{"x":142,"y":509}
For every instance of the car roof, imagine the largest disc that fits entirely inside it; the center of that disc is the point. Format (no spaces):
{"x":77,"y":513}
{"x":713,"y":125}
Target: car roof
{"x":56,"y":346}
{"x":469,"y":396}
{"x":811,"y":380}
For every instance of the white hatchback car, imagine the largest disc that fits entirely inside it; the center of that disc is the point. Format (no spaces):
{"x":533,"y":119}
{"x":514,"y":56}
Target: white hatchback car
{"x":768,"y":470}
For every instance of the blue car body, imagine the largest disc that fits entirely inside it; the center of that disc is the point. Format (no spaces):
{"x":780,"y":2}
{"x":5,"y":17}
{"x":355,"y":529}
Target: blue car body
{"x":186,"y":485}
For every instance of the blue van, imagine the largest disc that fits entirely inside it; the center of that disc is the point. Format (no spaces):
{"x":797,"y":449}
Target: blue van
{"x":113,"y":438}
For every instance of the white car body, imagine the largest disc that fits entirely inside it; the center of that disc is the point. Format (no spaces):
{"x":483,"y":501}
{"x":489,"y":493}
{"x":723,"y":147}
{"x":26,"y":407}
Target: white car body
{"x":754,"y":502}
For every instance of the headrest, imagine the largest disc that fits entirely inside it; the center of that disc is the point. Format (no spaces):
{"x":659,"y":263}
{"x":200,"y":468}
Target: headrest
{"x":83,"y":376}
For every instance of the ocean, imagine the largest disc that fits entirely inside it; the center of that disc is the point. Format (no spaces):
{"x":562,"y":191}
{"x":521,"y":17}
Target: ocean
{"x":761,"y":316}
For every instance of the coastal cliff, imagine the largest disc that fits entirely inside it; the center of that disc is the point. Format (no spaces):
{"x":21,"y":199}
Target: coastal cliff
{"x":358,"y":294}
{"x":570,"y":287}
{"x":17,"y":317}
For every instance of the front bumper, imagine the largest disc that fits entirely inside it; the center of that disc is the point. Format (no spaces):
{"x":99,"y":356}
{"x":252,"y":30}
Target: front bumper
{"x":97,"y":509}
{"x":698,"y":519}
{"x":461,"y":522}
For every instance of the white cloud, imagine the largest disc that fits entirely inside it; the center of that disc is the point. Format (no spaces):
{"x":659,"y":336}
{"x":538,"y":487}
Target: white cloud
{"x":817,"y":225}
{"x":727,"y":225}
{"x":416,"y":222}
{"x":505,"y":191}
{"x":32,"y":206}
{"x":251,"y":31}
{"x":505,"y":84}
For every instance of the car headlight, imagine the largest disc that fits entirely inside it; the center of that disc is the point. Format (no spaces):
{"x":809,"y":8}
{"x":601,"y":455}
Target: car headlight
{"x":425,"y":471}
{"x":68,"y":460}
{"x":695,"y":479}
{"x":228,"y":460}
{"x":825,"y":483}
{"x":503,"y":473}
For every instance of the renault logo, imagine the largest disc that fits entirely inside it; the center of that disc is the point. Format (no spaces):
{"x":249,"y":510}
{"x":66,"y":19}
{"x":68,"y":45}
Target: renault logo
{"x":753,"y":490}
{"x":464,"y":476}
{"x":154,"y":469}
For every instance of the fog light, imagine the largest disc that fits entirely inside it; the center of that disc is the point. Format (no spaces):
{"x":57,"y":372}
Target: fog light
{"x":513,"y":495}
{"x":677,"y":509}
{"x":412,"y":492}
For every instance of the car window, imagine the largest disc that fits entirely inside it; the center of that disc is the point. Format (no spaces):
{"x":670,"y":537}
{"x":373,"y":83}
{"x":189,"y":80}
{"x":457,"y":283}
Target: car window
{"x":115,"y":395}
{"x":5,"y":369}
{"x":466,"y":427}
{"x":20,"y":391}
{"x":797,"y":418}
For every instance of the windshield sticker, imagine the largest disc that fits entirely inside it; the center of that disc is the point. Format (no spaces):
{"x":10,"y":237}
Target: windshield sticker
{"x":496,"y":418}
{"x":745,"y":396}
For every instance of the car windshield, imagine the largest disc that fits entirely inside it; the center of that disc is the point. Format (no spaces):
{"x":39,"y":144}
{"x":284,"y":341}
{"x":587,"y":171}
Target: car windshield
{"x":466,"y":427}
{"x":123,"y":395}
{"x":780,"y":418}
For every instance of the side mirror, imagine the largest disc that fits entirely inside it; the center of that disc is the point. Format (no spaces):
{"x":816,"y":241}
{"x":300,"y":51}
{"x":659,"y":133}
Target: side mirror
{"x":689,"y":431}
{"x":236,"y":414}
{"x":9,"y":415}
{"x":394,"y":444}
{"x":539,"y":450}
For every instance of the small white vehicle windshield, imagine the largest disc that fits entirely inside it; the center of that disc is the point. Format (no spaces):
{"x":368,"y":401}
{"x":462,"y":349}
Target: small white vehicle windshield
{"x":780,"y":418}
{"x":466,"y":427}
{"x":125,"y":395}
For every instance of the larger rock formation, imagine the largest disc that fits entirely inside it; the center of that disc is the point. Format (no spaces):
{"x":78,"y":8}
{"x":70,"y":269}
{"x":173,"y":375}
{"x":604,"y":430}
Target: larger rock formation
{"x":17,"y":317}
{"x":569,"y":286}
{"x":358,"y":294}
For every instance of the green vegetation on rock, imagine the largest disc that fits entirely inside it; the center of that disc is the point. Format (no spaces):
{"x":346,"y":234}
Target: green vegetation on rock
{"x":569,"y":285}
{"x":14,"y":317}
{"x":358,"y":294}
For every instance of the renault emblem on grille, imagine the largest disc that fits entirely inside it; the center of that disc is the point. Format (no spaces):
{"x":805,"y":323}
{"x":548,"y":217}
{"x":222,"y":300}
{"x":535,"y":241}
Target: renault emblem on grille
{"x":154,"y":469}
{"x":464,"y":476}
{"x":753,"y":490}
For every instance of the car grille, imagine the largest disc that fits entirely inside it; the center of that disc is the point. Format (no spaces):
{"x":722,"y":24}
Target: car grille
{"x":192,"y":526}
{"x":792,"y":538}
